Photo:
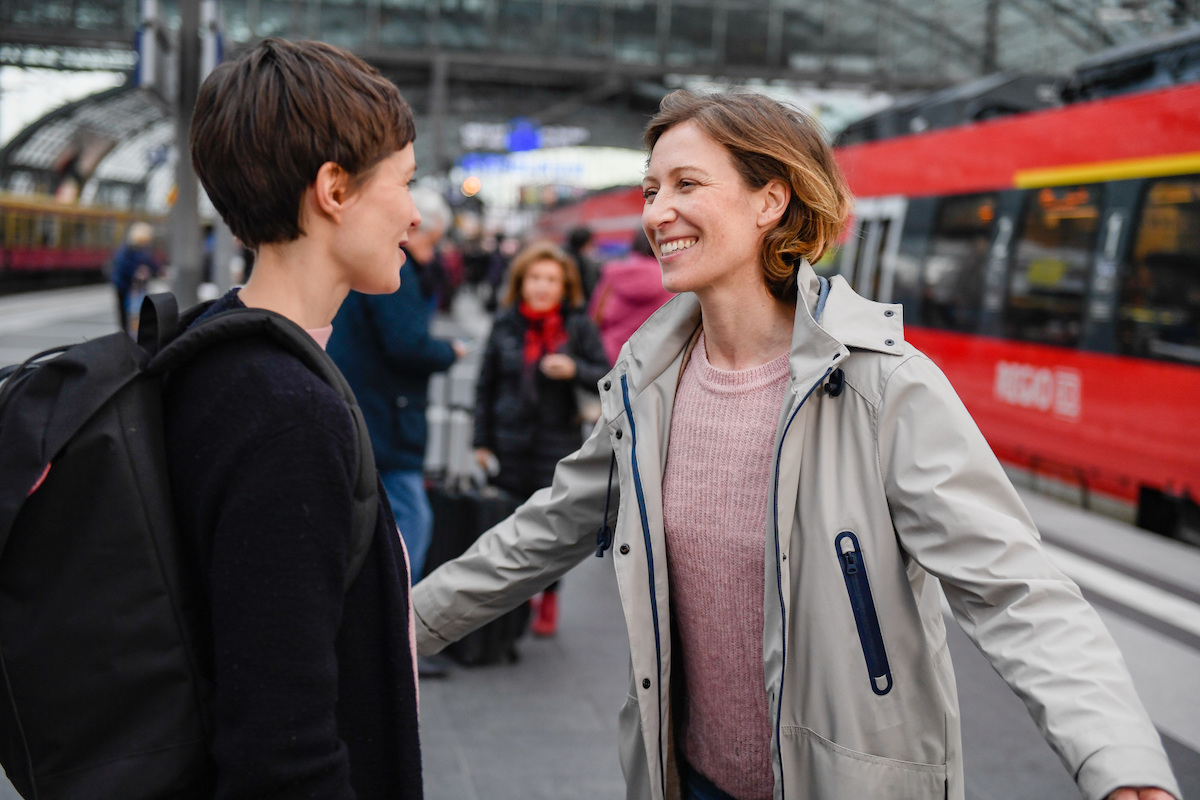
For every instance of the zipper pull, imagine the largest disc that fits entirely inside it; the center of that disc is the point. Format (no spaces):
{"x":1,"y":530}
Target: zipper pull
{"x":604,"y":536}
{"x":835,"y":384}
{"x":604,"y":539}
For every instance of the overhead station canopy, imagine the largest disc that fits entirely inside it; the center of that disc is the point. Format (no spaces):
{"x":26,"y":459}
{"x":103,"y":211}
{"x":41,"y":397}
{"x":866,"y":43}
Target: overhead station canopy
{"x":890,"y":44}
{"x":107,"y":146}
{"x":997,"y":54}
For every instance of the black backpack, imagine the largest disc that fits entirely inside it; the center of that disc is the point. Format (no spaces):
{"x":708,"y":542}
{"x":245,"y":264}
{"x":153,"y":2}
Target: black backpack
{"x":102,"y":616}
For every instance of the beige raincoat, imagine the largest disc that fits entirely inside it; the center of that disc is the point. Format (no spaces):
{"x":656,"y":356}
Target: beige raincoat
{"x":879,"y":492}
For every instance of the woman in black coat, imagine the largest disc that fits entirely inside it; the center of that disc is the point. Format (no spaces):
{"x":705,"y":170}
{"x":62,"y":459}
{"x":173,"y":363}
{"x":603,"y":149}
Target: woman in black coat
{"x":543,"y":358}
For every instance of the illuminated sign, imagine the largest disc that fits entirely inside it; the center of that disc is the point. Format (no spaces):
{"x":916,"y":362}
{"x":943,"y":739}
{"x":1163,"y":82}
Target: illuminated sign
{"x":519,"y":135}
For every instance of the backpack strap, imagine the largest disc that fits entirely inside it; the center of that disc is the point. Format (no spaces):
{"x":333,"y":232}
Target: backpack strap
{"x":158,"y":322}
{"x":240,"y":323}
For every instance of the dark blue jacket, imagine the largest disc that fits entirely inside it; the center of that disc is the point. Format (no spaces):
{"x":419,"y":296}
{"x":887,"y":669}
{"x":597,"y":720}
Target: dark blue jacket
{"x":125,"y":263}
{"x":383,"y":346}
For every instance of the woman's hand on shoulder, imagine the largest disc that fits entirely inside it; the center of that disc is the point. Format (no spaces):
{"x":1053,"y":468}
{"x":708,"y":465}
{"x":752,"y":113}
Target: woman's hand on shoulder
{"x":1140,"y":793}
{"x":559,"y":367}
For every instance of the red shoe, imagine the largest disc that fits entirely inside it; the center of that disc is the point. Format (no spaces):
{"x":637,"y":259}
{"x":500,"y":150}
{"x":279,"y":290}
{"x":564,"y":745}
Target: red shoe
{"x":546,"y":621}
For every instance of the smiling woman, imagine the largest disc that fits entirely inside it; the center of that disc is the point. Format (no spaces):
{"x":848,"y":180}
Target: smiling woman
{"x":789,"y":149}
{"x":796,"y":487}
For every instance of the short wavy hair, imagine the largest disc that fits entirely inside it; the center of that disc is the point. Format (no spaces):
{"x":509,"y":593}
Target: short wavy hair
{"x":769,"y":140}
{"x":266,"y":122}
{"x":544,"y":251}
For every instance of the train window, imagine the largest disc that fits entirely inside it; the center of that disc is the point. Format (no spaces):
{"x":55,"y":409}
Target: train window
{"x":1048,"y":281}
{"x":48,"y":231}
{"x":952,"y":278}
{"x":108,"y":233}
{"x":1159,"y":314}
{"x":23,"y":230}
{"x":69,"y":232}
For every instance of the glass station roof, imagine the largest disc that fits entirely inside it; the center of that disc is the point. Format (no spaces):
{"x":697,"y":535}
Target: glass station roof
{"x":896,"y":46}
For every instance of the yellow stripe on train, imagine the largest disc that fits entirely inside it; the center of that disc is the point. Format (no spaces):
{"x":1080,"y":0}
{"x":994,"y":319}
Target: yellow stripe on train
{"x":1099,"y":171}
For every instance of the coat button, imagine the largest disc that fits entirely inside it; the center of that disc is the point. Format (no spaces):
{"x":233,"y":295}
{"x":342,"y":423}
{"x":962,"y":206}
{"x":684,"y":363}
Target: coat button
{"x":645,"y":683}
{"x":607,"y":385}
{"x":889,"y":313}
{"x":888,"y":342}
{"x":619,"y":434}
{"x":624,"y":549}
{"x":401,"y":402}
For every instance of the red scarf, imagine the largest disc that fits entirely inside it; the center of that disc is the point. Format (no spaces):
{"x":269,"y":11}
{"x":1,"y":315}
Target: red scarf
{"x":544,"y":333}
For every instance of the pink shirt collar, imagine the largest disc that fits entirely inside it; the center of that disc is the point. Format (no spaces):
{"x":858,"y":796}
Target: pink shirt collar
{"x":321,"y":335}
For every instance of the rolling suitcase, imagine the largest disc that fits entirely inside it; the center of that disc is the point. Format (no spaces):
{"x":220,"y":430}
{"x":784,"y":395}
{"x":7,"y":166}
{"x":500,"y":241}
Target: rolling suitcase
{"x":459,"y":517}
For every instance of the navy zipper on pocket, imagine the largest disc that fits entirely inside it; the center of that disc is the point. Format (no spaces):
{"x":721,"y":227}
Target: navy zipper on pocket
{"x":858,"y":586}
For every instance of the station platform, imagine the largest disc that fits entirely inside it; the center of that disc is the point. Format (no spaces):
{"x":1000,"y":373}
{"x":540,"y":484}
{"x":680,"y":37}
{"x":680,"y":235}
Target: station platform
{"x":545,"y":728}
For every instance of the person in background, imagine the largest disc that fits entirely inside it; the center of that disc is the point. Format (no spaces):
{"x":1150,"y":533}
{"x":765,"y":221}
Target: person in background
{"x":307,"y":155}
{"x":629,"y":291}
{"x":132,"y":266}
{"x":383,"y":345}
{"x":542,"y":351}
{"x":452,"y":271}
{"x":579,"y":248}
{"x":500,"y":249}
{"x":792,"y":487}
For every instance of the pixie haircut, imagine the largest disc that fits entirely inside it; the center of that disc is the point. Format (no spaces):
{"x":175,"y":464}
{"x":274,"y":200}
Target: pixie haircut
{"x":768,"y":140}
{"x":265,"y":123}
{"x":544,"y":251}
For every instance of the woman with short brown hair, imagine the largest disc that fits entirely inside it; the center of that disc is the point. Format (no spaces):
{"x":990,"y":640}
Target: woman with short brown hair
{"x":307,"y":153}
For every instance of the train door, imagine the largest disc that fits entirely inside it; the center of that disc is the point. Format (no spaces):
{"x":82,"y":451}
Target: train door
{"x":1051,"y":265}
{"x":1116,"y":235}
{"x":953,"y":274}
{"x":870,"y":267}
{"x":1009,"y":208}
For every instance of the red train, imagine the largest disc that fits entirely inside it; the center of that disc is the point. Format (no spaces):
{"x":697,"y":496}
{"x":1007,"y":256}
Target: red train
{"x":1049,"y":262}
{"x":611,"y":214}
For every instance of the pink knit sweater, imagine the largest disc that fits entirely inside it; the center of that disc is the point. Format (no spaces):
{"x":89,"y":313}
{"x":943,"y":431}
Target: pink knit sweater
{"x":715,"y":510}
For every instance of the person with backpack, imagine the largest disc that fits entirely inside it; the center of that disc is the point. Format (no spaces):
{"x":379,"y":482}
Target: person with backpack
{"x":201,"y":592}
{"x":307,"y":154}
